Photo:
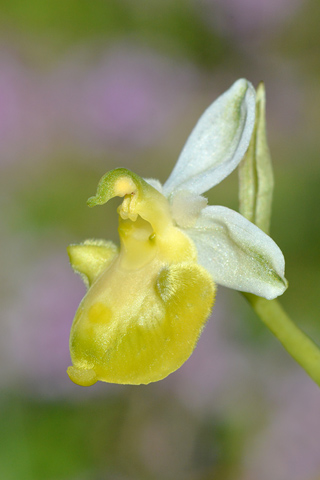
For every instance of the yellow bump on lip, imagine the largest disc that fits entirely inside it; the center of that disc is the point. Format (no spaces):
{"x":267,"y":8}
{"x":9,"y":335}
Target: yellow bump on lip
{"x":99,"y":313}
{"x":82,"y":376}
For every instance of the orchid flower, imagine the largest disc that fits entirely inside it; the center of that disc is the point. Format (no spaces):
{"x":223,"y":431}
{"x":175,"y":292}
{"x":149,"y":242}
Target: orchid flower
{"x":148,"y":301}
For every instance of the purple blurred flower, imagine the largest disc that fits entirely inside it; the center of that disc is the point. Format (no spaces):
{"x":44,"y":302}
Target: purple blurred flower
{"x":38,"y":316}
{"x":287,"y":448}
{"x":241,"y":18}
{"x":218,"y":375}
{"x":24,"y":111}
{"x":127,"y":99}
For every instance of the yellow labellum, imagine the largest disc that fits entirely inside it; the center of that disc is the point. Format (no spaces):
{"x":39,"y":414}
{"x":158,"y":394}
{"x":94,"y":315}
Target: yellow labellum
{"x":146,"y":303}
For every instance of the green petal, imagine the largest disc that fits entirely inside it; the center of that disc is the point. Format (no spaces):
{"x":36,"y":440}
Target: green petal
{"x":91,"y":257}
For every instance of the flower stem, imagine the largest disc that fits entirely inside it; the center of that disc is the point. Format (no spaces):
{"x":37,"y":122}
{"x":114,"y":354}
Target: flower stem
{"x":296,"y":342}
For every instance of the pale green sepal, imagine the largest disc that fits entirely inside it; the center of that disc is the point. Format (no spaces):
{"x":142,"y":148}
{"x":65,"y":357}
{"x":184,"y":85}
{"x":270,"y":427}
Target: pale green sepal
{"x":238,"y":254}
{"x":255,"y":172}
{"x":217,"y":143}
{"x":91,"y":257}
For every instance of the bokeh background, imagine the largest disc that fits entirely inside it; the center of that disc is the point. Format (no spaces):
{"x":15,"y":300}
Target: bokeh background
{"x":90,"y":85}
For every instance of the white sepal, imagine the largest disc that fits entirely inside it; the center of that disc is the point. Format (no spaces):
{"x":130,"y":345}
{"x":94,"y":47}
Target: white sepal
{"x":217,"y":143}
{"x":238,"y":254}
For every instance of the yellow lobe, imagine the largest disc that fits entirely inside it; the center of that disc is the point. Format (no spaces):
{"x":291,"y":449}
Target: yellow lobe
{"x":142,"y":316}
{"x":91,"y":257}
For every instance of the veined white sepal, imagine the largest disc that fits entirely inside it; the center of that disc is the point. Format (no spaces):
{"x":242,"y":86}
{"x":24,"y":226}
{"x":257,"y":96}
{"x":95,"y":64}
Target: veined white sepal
{"x":237,"y":253}
{"x":217,"y":143}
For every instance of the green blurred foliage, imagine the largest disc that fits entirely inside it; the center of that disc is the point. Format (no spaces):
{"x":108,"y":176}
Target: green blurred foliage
{"x":49,"y":440}
{"x":58,"y":203}
{"x":110,"y":437}
{"x":299,"y":42}
{"x":175,"y":28}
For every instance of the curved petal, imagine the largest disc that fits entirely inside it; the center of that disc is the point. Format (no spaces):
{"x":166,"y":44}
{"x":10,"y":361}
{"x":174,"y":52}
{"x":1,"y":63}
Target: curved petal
{"x":91,"y":257}
{"x":217,"y":143}
{"x":237,"y":253}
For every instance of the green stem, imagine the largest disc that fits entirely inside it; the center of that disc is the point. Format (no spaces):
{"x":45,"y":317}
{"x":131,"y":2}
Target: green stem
{"x":297,"y":343}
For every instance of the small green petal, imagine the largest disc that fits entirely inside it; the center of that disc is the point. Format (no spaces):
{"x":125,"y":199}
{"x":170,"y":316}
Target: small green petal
{"x":91,"y":257}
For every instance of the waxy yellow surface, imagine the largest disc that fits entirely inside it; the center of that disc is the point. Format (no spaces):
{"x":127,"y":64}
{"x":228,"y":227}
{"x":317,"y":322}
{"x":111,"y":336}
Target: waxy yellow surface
{"x":146,"y":303}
